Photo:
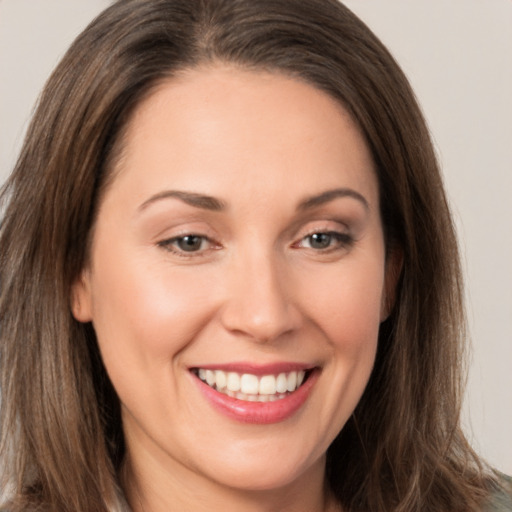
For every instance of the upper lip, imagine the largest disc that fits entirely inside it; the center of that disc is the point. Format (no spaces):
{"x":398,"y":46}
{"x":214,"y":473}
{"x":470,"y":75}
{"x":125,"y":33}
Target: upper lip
{"x":257,"y":369}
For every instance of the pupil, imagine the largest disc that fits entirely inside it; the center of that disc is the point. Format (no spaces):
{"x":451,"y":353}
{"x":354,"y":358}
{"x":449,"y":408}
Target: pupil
{"x":190,"y":243}
{"x":320,"y":240}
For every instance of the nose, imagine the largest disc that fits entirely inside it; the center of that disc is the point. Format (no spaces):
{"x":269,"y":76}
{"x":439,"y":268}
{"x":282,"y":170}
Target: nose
{"x":260,"y":303}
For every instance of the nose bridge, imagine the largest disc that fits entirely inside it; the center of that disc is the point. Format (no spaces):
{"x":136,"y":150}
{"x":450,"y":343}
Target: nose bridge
{"x":258,"y":304}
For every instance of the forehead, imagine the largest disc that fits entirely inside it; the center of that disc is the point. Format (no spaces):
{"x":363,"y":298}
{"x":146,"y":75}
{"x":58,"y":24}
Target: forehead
{"x":213,"y":126}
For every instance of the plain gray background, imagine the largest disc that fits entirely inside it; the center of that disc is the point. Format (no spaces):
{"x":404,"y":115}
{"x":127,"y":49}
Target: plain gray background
{"x":458,"y":56}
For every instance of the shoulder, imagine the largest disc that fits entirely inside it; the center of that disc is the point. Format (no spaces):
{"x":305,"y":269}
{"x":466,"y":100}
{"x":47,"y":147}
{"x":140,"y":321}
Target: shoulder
{"x":501,"y":498}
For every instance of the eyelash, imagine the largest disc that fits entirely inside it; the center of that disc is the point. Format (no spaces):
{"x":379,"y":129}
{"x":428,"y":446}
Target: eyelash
{"x":171,"y":245}
{"x":342,"y":241}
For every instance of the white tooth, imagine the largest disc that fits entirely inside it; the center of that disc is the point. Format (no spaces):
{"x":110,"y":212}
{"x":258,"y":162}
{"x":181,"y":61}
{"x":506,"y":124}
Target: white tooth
{"x":292,"y":381}
{"x":220,"y":379}
{"x":300,"y":377}
{"x":249,"y":384}
{"x":267,"y":385}
{"x":210,"y":377}
{"x":282,"y":383}
{"x":233,"y":382}
{"x":263,"y":398}
{"x":230,"y":393}
{"x":201,"y":374}
{"x":272,"y":398}
{"x":252,"y":398}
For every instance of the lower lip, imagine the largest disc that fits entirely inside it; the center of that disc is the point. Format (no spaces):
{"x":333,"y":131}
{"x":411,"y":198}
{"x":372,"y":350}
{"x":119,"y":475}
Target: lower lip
{"x":259,"y":412}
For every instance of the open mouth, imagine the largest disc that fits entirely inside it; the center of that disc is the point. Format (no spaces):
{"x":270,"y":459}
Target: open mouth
{"x":253,"y":388}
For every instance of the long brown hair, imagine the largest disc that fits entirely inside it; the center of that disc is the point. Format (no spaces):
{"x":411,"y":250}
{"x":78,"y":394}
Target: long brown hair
{"x":61,"y":433}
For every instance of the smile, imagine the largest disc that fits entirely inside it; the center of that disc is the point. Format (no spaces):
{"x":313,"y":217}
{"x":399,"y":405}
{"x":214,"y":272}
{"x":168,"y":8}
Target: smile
{"x":256,"y":394}
{"x":250,"y":387}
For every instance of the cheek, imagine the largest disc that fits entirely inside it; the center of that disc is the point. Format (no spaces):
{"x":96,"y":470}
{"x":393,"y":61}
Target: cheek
{"x":346,"y":303}
{"x":144,"y":315}
{"x":352,"y":330}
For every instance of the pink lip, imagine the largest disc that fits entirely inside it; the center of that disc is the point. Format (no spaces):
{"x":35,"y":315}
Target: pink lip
{"x":258,"y":412}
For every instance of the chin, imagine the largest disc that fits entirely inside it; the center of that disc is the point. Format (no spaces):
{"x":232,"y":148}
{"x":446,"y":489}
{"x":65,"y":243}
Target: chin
{"x":265,"y":472}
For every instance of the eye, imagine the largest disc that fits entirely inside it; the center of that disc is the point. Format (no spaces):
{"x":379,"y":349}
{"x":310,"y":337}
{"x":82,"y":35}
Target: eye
{"x":186,"y":244}
{"x":322,"y":241}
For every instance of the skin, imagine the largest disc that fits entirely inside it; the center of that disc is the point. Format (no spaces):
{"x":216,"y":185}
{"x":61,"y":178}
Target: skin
{"x":255,"y":290}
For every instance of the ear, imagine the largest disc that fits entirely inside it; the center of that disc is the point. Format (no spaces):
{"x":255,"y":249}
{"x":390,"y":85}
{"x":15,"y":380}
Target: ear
{"x":81,"y":302}
{"x":394,"y":264}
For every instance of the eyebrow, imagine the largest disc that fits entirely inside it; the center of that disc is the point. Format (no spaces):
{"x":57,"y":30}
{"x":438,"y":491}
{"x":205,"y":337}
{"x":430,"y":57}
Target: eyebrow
{"x":206,"y":202}
{"x":330,"y":195}
{"x":197,"y":200}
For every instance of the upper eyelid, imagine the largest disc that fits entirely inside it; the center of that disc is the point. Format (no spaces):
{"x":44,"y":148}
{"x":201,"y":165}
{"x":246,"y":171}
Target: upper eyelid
{"x":326,"y":229}
{"x":170,"y":233}
{"x":322,"y":226}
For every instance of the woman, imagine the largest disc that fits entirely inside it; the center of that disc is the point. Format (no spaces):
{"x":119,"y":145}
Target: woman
{"x":229,"y":274}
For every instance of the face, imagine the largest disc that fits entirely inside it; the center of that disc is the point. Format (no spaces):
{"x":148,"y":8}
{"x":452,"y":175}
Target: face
{"x":237,"y":278}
